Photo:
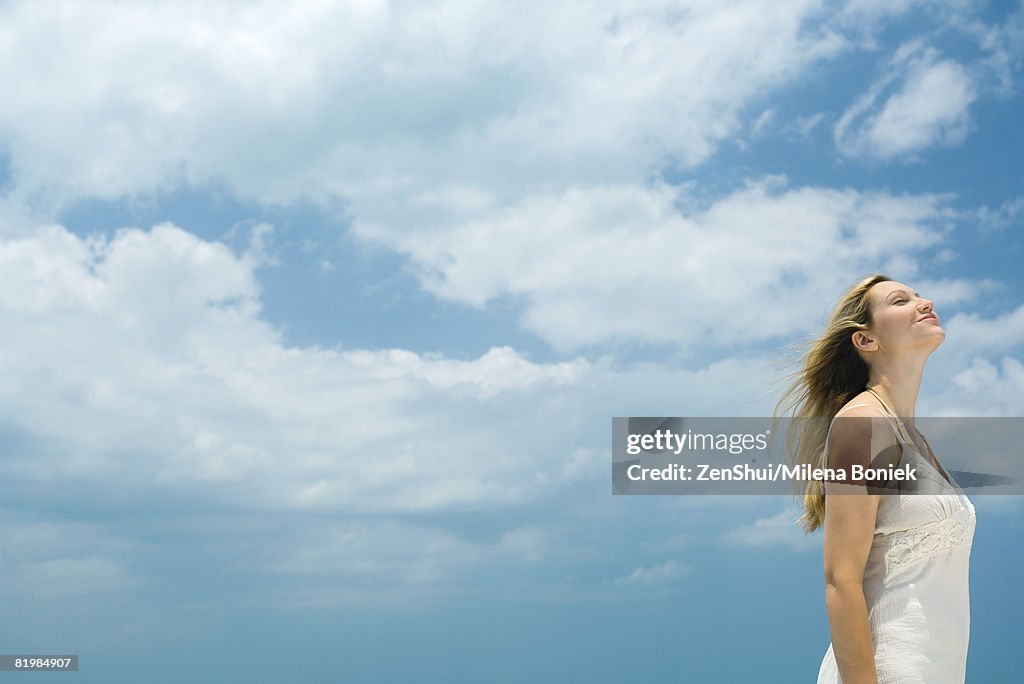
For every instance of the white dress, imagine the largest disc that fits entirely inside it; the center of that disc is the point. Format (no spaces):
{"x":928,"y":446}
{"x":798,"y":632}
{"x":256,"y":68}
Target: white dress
{"x":916,"y":582}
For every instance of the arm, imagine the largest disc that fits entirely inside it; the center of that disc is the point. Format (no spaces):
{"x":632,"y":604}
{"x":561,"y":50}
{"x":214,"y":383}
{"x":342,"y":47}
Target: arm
{"x":850,"y":513}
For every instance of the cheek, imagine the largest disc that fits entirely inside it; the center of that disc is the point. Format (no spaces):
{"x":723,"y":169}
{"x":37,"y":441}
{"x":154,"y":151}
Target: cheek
{"x":892,"y":324}
{"x":886,"y":321}
{"x":898,"y":317}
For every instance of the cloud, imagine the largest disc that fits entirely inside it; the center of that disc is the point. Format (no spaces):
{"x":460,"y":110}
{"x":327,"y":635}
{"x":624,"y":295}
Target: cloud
{"x":372,"y":101}
{"x":999,"y":334}
{"x":977,"y":386}
{"x":763,"y":121}
{"x":780,"y":529}
{"x":139,"y":376}
{"x":869,"y":16}
{"x":946,"y":292}
{"x":144,"y":356}
{"x":920,"y":102}
{"x":478,"y":128}
{"x":1004,"y":54}
{"x":605,"y":264}
{"x":803,"y":126}
{"x":655,"y":575}
{"x":54,"y":560}
{"x":977,"y":371}
{"x":1006,"y":216}
{"x":506,"y":154}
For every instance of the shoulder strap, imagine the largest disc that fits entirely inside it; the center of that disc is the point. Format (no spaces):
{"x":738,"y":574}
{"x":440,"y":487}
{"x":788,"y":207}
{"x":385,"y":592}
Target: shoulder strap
{"x":895,"y":429}
{"x":901,"y":428}
{"x":930,"y":456}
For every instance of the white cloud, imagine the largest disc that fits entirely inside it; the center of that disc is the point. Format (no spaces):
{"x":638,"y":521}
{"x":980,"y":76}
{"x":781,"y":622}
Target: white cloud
{"x":780,"y":529}
{"x":140,"y":362}
{"x":502,"y":151}
{"x":479,"y":128}
{"x":971,"y":331}
{"x":1006,"y":216}
{"x":977,"y":386}
{"x":655,"y":575}
{"x":977,"y":370}
{"x":398,"y":554}
{"x":763,"y":121}
{"x":803,"y":127}
{"x":375,"y":102}
{"x":143,"y":357}
{"x":797,"y":129}
{"x":599,"y":264}
{"x":55,"y":560}
{"x":926,"y":104}
{"x":946,"y":292}
{"x":1003,"y":45}
{"x":869,"y":15}
{"x":150,"y":343}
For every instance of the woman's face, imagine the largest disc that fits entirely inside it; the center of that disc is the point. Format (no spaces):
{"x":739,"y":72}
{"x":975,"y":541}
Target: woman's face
{"x":902,"y":320}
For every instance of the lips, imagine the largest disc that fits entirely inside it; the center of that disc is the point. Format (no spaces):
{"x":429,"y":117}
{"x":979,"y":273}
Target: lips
{"x":930,"y":317}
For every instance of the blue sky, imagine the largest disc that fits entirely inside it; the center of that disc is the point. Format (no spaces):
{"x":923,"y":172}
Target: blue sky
{"x":315,"y":318}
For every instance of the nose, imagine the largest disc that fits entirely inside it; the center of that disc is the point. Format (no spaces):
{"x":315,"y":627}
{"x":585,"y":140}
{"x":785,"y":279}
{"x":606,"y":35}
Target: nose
{"x":927,"y":305}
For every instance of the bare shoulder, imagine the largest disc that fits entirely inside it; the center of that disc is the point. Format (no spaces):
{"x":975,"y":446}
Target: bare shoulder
{"x":862,"y":405}
{"x":860,"y":433}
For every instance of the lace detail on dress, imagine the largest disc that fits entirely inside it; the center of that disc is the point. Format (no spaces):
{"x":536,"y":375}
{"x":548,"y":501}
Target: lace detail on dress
{"x":928,"y":540}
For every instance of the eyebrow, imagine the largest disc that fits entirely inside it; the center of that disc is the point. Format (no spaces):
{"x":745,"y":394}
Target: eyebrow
{"x":902,"y":292}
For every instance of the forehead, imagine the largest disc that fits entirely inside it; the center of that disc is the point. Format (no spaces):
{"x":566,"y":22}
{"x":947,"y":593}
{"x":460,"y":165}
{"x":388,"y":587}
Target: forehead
{"x":879,"y":291}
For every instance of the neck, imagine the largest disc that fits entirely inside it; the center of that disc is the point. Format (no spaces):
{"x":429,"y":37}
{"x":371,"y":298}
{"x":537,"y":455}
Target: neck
{"x":898,"y":384}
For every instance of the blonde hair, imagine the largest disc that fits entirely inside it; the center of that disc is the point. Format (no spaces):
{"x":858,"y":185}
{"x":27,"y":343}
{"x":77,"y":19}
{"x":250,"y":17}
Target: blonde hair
{"x":831,"y":373}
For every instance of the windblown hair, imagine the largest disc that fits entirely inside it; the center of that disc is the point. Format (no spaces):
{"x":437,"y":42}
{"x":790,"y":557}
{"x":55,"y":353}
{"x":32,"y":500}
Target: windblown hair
{"x":831,"y":373}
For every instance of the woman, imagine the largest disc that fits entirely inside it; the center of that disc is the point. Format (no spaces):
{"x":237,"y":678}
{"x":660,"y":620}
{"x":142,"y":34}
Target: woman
{"x":896,"y":557}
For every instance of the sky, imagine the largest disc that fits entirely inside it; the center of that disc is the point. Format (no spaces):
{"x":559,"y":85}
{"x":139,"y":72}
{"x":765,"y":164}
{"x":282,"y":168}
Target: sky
{"x":315,"y":316}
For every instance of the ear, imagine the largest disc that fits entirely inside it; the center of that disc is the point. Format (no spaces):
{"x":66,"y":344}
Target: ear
{"x":863,"y":341}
